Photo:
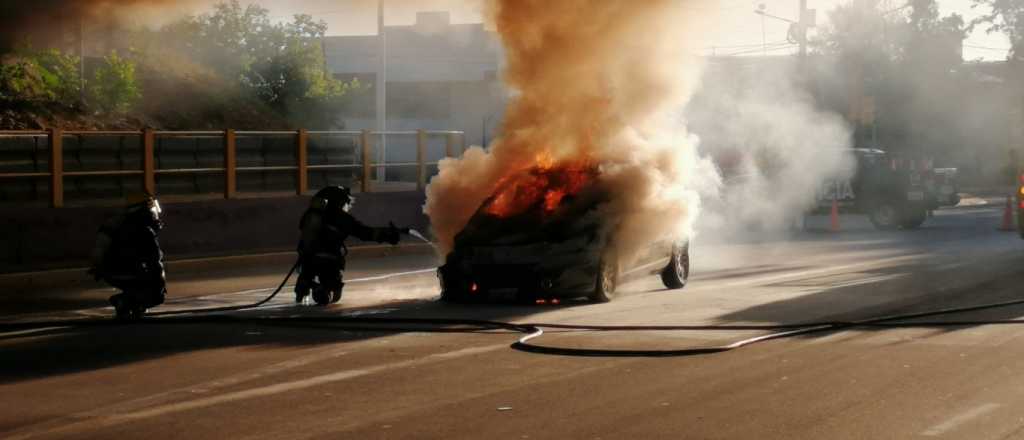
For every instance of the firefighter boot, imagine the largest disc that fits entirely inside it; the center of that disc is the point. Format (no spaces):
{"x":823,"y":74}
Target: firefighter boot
{"x":336,"y":294}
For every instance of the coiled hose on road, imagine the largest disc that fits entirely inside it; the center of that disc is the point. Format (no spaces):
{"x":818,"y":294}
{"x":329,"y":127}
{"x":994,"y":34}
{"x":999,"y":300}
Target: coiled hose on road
{"x":530,"y":331}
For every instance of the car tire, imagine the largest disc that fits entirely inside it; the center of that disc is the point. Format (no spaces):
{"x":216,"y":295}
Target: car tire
{"x":674,"y":275}
{"x":607,"y":279}
{"x":884,"y":216}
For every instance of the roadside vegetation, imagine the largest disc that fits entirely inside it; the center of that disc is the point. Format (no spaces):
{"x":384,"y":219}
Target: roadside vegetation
{"x":232,"y":67}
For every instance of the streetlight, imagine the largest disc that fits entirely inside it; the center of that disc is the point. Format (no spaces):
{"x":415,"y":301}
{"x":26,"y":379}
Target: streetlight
{"x":797,"y":28}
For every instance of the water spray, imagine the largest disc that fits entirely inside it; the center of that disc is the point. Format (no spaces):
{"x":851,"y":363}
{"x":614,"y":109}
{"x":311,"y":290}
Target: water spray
{"x":419,"y":235}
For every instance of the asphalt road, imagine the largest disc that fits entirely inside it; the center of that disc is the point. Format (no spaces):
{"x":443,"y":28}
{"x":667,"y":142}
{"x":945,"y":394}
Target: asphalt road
{"x":315,"y":379}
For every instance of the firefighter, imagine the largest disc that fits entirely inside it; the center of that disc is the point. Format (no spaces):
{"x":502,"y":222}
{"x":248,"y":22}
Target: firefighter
{"x":127,"y":256}
{"x":324,"y":227}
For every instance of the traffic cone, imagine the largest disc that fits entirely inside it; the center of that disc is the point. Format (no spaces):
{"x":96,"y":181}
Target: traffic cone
{"x":1008,"y":216}
{"x":834,"y":220}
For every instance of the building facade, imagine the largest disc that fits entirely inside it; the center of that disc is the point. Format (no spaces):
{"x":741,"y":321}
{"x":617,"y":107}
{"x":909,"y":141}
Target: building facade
{"x":440,"y":76}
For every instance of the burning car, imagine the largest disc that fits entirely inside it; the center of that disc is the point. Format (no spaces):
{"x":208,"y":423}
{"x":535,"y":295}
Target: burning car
{"x":547,"y":233}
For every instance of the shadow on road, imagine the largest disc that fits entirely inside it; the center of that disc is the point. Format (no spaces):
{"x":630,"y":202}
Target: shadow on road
{"x":59,"y":351}
{"x":895,"y":290}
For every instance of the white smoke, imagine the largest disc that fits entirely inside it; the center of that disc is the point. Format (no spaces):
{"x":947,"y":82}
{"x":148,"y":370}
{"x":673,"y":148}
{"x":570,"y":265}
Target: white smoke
{"x":775,"y":147}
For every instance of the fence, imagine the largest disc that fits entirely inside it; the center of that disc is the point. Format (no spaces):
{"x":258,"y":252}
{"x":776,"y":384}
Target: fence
{"x":93,"y":165}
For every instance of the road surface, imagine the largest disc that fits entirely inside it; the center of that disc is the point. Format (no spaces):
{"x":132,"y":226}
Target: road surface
{"x":311,"y":379}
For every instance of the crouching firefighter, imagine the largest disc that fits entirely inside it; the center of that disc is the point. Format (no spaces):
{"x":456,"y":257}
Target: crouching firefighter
{"x":127,"y":256}
{"x":324,"y":228}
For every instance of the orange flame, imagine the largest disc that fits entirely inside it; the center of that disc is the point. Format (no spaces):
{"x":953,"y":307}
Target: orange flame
{"x":547,"y":186}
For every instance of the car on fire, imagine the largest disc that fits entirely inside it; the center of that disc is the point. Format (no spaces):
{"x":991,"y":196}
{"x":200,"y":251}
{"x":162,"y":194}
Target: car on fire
{"x":551,"y":238}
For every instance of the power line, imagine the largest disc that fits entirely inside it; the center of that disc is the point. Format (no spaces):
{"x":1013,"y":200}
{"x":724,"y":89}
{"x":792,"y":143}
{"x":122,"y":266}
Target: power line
{"x":774,"y":48}
{"x":743,"y":46}
{"x":1000,"y":49}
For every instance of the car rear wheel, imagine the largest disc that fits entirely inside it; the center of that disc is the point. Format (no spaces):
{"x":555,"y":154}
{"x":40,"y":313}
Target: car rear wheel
{"x":607,"y":279}
{"x":674,"y":275}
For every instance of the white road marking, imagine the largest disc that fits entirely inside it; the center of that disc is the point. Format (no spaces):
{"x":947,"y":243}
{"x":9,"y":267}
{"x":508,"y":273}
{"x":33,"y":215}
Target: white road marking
{"x":103,"y":418}
{"x":30,"y":331}
{"x":960,"y":419}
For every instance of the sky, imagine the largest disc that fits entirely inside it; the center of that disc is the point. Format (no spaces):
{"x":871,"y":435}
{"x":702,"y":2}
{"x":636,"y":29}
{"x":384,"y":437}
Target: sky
{"x":737,"y":30}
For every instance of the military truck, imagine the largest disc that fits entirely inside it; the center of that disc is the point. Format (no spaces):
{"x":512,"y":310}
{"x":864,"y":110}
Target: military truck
{"x":894,"y":192}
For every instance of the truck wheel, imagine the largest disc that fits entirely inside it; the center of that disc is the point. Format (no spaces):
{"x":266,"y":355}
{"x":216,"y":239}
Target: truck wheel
{"x":884,"y":215}
{"x":914,"y":219}
{"x":607,"y":279}
{"x":674,"y":275}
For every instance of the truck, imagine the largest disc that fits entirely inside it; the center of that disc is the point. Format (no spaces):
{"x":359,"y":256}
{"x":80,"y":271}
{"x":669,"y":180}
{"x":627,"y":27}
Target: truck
{"x":1020,"y":204}
{"x":894,"y":192}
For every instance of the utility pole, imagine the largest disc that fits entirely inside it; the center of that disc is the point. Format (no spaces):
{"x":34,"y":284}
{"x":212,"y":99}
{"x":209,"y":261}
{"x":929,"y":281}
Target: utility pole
{"x":382,"y":81}
{"x":802,"y":31}
{"x":81,"y":59}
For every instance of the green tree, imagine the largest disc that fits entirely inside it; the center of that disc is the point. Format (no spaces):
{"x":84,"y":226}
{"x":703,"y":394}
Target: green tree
{"x":282,"y":64}
{"x":1007,"y":17}
{"x":907,"y":58}
{"x":114,"y":88}
{"x":48,"y":76}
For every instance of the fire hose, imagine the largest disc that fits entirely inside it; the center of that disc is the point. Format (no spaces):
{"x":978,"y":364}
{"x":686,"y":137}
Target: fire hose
{"x":532,"y":331}
{"x":233,"y":308}
{"x":270,"y":297}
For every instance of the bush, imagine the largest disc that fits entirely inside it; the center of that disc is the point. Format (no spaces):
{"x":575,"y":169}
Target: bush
{"x":48,"y":76}
{"x":114,"y":88}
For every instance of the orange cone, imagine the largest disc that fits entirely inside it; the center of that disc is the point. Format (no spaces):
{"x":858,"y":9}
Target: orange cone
{"x":1008,"y":216}
{"x":834,"y":224}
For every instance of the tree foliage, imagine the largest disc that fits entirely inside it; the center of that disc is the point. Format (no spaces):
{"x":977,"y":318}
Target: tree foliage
{"x":47,"y":76}
{"x":906,"y":58}
{"x":114,"y":88}
{"x":1007,"y":17}
{"x":282,"y":64}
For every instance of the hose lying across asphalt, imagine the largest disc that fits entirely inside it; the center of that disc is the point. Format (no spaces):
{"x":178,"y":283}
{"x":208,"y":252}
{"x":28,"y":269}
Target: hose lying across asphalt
{"x":233,"y":308}
{"x":531,"y":331}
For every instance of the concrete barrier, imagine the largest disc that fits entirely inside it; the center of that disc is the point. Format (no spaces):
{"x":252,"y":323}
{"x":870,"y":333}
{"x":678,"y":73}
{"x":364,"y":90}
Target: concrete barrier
{"x":48,"y":238}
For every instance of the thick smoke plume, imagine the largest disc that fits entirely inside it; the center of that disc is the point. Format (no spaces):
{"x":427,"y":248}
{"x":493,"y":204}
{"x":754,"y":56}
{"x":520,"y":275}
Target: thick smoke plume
{"x":594,"y":83}
{"x":55,"y":19}
{"x":776,"y":148}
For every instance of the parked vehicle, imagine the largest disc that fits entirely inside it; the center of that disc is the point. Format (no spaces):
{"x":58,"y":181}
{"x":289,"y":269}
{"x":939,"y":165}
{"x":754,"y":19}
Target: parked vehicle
{"x":893,"y":192}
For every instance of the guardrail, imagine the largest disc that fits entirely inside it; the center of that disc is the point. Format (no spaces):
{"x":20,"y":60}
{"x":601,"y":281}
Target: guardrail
{"x":56,"y":174}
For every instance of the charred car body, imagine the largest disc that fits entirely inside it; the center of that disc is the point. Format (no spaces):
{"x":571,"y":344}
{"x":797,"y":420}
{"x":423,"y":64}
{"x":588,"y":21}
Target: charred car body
{"x":547,"y":236}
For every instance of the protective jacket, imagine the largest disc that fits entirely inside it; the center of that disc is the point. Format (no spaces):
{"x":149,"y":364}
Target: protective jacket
{"x":128,"y":245}
{"x":324,"y":233}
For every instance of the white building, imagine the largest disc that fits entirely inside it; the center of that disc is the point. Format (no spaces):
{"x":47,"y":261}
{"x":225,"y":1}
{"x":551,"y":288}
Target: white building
{"x":440,"y":76}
